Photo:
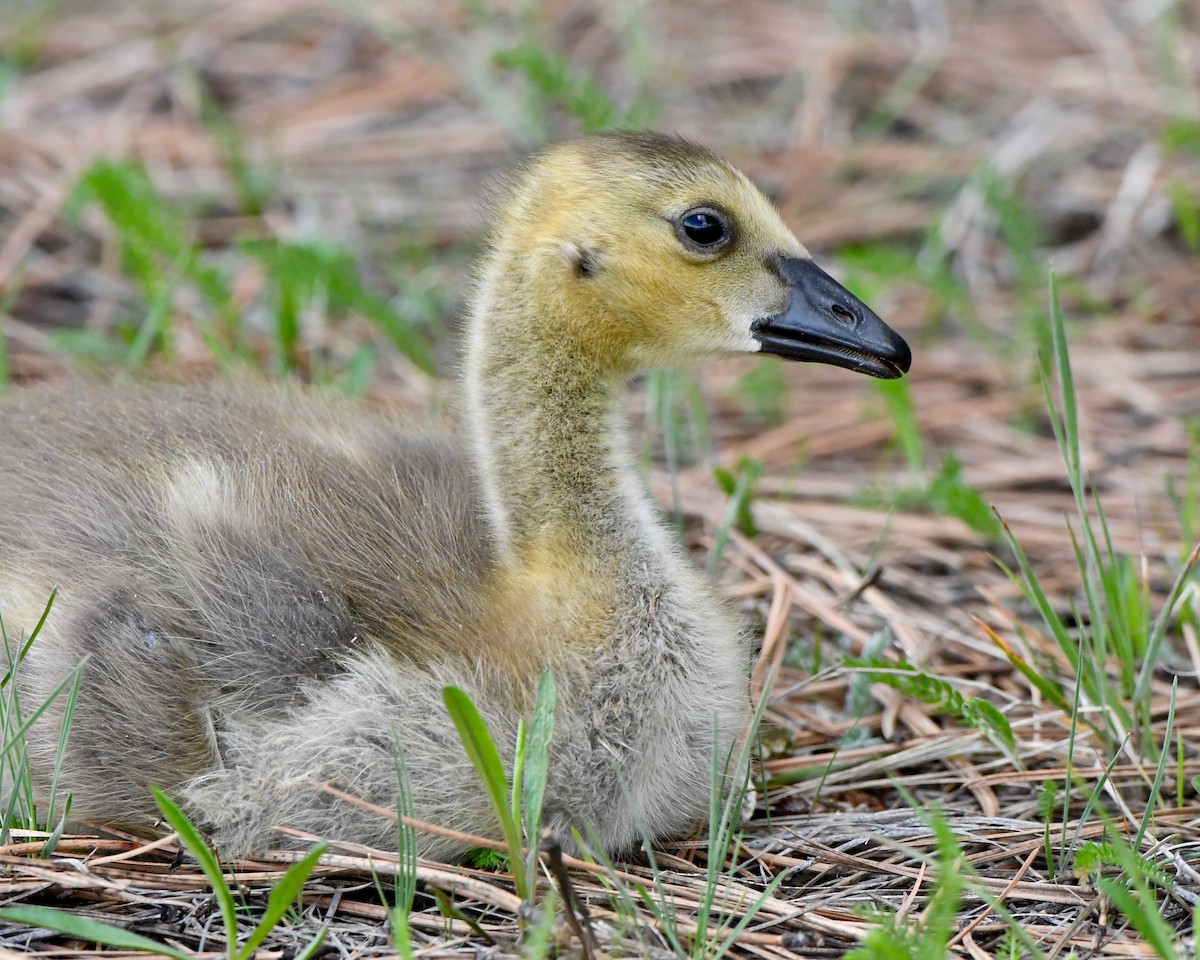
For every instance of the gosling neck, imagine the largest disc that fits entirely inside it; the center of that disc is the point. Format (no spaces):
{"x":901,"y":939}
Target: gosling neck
{"x":547,"y":436}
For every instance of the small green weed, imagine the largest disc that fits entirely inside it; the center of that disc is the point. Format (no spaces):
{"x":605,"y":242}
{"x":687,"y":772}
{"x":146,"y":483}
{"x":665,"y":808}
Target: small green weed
{"x":316,"y":275}
{"x":518,"y":805}
{"x":483,"y":858}
{"x":939,"y":694}
{"x":1182,"y":135}
{"x":283,"y":895}
{"x":948,"y":495}
{"x":157,"y":253}
{"x":552,"y":84}
{"x":1132,"y":891}
{"x":1047,"y":804}
{"x":161,"y":256}
{"x":279,"y":902}
{"x":930,"y":939}
{"x":1187,"y":213}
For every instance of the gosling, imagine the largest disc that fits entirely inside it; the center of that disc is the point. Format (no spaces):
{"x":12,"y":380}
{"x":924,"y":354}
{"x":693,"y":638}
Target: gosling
{"x":269,"y":589}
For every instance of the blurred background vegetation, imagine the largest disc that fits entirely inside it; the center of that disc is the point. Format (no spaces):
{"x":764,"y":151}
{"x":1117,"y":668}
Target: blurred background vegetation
{"x":296,"y":186}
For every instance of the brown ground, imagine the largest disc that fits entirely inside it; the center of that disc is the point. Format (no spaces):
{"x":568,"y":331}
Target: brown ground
{"x":872,"y":125}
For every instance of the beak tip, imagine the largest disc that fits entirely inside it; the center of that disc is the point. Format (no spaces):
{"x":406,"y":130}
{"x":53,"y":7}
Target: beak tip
{"x":903,"y":356}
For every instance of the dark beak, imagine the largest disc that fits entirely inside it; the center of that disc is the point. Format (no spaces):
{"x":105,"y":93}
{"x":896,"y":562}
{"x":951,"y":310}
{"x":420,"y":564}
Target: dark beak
{"x":826,"y":323}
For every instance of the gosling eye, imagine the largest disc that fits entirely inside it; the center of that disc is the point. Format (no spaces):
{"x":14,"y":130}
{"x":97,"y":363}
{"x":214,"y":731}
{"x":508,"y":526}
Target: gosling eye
{"x":704,"y":230}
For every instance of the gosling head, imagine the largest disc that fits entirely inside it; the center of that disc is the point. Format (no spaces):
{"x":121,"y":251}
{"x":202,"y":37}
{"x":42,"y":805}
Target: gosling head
{"x":640,"y":250}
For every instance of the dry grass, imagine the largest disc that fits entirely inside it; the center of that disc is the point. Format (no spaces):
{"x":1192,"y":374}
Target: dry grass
{"x":381,"y":124}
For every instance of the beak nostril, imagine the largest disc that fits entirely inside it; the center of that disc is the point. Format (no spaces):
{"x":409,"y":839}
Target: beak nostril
{"x":841,"y":313}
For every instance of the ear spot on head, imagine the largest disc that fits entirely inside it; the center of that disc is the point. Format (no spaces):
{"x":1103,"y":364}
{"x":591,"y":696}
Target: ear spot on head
{"x":584,"y":261}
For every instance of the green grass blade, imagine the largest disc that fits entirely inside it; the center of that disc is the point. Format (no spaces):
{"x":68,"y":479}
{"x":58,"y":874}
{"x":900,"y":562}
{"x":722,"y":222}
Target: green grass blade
{"x":89,"y":929}
{"x":517,"y":789}
{"x":281,"y":898}
{"x":401,"y":932}
{"x":481,"y":750}
{"x":1156,"y":788}
{"x":155,"y":327}
{"x":537,"y":765}
{"x":33,"y":635}
{"x":59,"y":829}
{"x":20,"y":807}
{"x":662,"y":386}
{"x":898,"y":397}
{"x":314,"y":945}
{"x":1092,"y":800}
{"x":64,"y":731}
{"x":406,"y":871}
{"x":748,"y":913}
{"x":1066,"y":386}
{"x":1046,"y":803}
{"x":403,"y":336}
{"x":1032,"y":588}
{"x":478,"y":743}
{"x":1072,"y":743}
{"x":1141,"y":688}
{"x":198,"y":848}
{"x":1047,"y":689}
{"x":730,"y":779}
{"x":18,"y":736}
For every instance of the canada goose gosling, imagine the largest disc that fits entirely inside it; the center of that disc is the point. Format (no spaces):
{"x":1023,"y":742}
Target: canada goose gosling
{"x":272,"y":589}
